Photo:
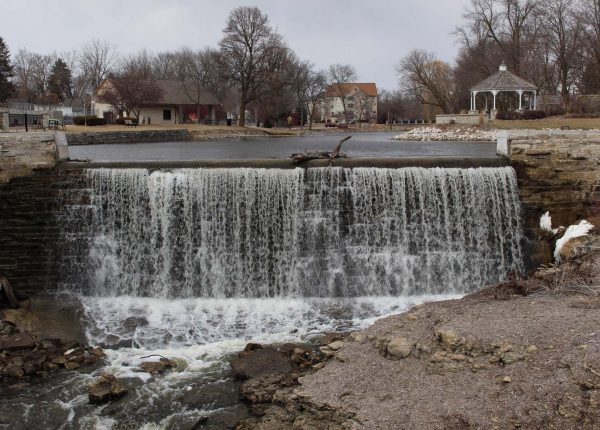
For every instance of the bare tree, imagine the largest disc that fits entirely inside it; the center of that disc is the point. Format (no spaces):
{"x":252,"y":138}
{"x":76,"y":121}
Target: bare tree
{"x":198,"y":72}
{"x":564,"y":33}
{"x":138,"y":64}
{"x":363,"y":106}
{"x":95,"y":62}
{"x":250,"y":50}
{"x":427,"y":79}
{"x":310,"y":86}
{"x":129,"y":94}
{"x":338,"y":75}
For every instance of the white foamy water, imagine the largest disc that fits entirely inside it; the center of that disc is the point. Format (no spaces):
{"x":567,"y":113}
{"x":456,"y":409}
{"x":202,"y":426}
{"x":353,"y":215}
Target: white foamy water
{"x":328,"y":232}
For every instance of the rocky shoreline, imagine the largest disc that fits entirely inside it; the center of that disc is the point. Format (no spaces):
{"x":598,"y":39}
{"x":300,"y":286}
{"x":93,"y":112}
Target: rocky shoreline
{"x":522,"y":354}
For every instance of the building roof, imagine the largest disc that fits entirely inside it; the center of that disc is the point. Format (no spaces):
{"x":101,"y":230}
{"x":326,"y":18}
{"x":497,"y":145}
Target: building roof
{"x":503,"y":80}
{"x":369,"y":88}
{"x":177,"y":92}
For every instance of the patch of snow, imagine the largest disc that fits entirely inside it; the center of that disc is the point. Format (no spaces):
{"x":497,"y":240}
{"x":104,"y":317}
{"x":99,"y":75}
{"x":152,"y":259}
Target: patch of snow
{"x":438,"y":134}
{"x":546,"y":223}
{"x":577,"y":230}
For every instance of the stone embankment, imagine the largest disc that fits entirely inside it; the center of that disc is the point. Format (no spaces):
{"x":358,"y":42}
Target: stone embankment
{"x":134,"y":136}
{"x":523,"y":354}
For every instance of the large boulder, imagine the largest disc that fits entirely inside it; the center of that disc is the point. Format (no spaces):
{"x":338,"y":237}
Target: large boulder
{"x":259,"y":363}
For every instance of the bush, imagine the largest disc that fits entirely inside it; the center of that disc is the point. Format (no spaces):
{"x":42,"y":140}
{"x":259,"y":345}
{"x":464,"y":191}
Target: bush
{"x":526,"y":115}
{"x":89,"y":120}
{"x":121,"y":121}
{"x":534,"y":114}
{"x":268,"y":124}
{"x":509,"y":115}
{"x":583,"y":115}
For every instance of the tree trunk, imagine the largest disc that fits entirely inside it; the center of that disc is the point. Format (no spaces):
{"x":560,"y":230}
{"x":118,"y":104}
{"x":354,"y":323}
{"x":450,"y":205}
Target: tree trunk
{"x":242,"y":118}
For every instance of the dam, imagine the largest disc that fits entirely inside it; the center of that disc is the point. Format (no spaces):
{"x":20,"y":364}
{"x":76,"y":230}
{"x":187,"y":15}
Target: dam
{"x":192,"y":259}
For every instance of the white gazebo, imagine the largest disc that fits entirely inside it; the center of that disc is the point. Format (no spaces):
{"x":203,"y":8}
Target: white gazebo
{"x":503,"y":81}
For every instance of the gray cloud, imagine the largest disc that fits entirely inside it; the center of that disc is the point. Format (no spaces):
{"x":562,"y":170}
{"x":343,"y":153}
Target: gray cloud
{"x":371,"y":35}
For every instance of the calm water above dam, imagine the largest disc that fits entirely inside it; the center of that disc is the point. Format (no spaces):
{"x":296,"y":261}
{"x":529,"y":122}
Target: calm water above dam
{"x":364,"y":145}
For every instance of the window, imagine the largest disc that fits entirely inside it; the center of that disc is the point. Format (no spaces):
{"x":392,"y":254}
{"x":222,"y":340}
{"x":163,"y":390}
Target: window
{"x":167,"y":115}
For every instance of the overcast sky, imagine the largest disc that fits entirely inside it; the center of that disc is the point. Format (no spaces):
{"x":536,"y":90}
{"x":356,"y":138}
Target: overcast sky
{"x":372,"y":35}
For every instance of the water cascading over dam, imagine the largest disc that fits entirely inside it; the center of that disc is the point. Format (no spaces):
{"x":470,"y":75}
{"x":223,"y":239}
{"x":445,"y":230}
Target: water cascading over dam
{"x":330,"y":232}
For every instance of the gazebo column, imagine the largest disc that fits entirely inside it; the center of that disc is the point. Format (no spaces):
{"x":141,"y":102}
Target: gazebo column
{"x":494,"y":92}
{"x":473,"y":102}
{"x":520,"y":92}
{"x":494,"y":112}
{"x":535,"y":100}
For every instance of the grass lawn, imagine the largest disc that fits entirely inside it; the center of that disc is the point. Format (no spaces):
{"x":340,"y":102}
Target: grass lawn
{"x":550,"y":122}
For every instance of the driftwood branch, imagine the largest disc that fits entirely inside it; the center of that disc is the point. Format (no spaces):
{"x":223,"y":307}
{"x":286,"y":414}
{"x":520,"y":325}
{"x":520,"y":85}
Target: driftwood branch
{"x":301,"y":158}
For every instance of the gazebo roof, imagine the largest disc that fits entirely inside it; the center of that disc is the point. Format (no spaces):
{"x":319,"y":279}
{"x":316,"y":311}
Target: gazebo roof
{"x":503,"y":80}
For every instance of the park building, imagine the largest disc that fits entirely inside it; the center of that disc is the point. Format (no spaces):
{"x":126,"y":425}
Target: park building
{"x":360,"y":99}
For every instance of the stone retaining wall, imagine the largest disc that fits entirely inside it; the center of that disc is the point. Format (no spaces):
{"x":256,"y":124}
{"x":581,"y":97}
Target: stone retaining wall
{"x":32,"y":247}
{"x":21,"y":153}
{"x":134,"y":136}
{"x":560,"y":175}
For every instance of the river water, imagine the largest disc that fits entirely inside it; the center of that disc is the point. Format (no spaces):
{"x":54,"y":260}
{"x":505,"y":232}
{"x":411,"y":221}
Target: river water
{"x":366,"y":145}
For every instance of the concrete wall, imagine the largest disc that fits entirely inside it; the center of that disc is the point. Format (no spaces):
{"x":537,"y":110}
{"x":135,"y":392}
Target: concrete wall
{"x":134,"y":136}
{"x":21,"y":153}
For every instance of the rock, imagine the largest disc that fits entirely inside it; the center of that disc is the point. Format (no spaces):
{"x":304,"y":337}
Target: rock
{"x":511,"y":357}
{"x":506,"y":379}
{"x":105,"y":389}
{"x":357,"y":336}
{"x":30,"y":368}
{"x":98,"y":352}
{"x":252,"y":347}
{"x":335,"y":345}
{"x":532,"y":349}
{"x":7,"y":327}
{"x":400,"y":347}
{"x":288,"y":349}
{"x":332,"y":337}
{"x":16,"y":341}
{"x":61,"y":359}
{"x":74,"y":352}
{"x":259,"y":363}
{"x":14,"y":371}
{"x":326,"y":351}
{"x":449,"y":339}
{"x":71,"y":365}
{"x":157,"y":366}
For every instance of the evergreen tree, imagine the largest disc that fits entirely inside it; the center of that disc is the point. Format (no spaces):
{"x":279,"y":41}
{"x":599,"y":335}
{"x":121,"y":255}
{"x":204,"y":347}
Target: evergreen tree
{"x":6,"y":72}
{"x":59,"y":81}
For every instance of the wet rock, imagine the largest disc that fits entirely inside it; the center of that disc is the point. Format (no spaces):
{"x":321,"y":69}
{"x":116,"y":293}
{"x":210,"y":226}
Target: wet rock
{"x":357,"y":336}
{"x":97,"y":351}
{"x":157,"y":366}
{"x":287,"y":349}
{"x":71,"y":365}
{"x":16,"y":341}
{"x":132,"y":323}
{"x":61,"y":359}
{"x":252,"y":347}
{"x":105,"y":389}
{"x":400,"y":347}
{"x":449,"y":339}
{"x":259,"y":363}
{"x":14,"y":371}
{"x":263,"y":389}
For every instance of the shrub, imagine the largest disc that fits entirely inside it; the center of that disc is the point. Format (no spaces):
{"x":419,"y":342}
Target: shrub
{"x":509,"y":115}
{"x":89,"y":120}
{"x":534,"y":114}
{"x":121,"y":121}
{"x":268,"y":124}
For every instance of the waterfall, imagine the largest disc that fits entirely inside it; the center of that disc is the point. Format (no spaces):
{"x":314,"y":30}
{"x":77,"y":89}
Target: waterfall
{"x":327,"y":232}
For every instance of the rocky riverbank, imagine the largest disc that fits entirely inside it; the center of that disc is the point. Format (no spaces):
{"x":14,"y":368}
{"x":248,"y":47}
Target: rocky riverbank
{"x":522,"y":354}
{"x":437,"y":134}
